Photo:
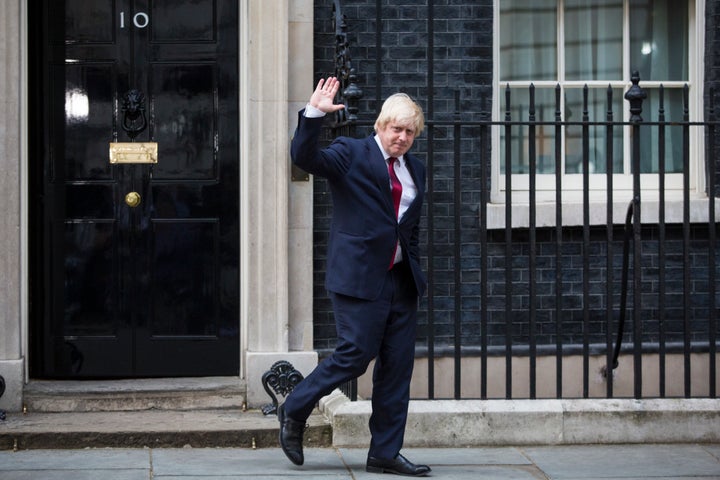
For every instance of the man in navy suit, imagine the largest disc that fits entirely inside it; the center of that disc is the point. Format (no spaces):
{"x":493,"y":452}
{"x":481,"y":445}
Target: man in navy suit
{"x":373,"y":270}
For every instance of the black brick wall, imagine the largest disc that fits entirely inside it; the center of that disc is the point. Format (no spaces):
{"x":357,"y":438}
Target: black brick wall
{"x":461,"y":60}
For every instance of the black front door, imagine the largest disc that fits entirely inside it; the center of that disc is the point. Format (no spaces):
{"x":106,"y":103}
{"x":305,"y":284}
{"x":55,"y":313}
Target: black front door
{"x":134,"y":265}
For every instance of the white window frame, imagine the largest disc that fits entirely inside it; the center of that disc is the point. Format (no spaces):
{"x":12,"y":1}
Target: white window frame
{"x":622,"y":191}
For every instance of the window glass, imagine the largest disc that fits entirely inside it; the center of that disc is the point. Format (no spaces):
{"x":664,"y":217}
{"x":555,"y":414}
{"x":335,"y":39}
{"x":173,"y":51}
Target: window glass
{"x":649,"y":142}
{"x":544,"y":134}
{"x":597,"y":135}
{"x":659,"y":39}
{"x":528,"y":39}
{"x":593,"y":39}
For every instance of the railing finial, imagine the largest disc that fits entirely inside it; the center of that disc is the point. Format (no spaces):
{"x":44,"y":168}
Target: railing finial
{"x":635,"y":96}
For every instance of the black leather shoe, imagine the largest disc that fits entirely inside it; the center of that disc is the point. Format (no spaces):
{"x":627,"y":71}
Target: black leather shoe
{"x":398,"y":465}
{"x":291,"y":437}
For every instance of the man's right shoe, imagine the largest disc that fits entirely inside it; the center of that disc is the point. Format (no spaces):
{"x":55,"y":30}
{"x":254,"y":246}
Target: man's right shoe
{"x":398,"y":466}
{"x":291,"y":437}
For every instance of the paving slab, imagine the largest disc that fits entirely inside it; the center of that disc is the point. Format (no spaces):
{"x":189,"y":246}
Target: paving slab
{"x":89,"y":459}
{"x":89,"y":464}
{"x":221,"y":462}
{"x":448,"y":456}
{"x":77,"y":475}
{"x":625,"y":461}
{"x":506,"y":472}
{"x":264,"y":477}
{"x":714,"y":450}
{"x":456,"y":463}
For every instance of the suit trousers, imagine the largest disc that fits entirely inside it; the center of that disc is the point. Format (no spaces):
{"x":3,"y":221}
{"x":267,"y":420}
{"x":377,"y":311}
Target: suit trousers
{"x":383,"y":329}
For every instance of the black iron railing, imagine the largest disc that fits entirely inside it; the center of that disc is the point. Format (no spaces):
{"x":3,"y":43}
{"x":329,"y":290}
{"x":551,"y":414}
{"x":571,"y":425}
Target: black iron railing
{"x":508,"y":295}
{"x":689,"y":245}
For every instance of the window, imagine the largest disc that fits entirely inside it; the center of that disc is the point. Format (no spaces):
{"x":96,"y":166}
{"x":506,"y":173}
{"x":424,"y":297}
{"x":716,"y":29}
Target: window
{"x":566,"y":45}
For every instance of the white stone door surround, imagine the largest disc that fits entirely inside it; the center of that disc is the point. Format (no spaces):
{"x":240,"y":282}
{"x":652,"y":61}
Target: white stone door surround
{"x":276,"y":41}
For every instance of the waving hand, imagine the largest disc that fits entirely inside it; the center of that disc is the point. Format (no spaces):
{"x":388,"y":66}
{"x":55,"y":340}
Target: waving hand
{"x":324,"y":95}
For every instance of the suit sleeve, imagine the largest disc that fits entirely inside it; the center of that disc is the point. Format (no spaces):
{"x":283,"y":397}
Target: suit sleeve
{"x":306,"y":153}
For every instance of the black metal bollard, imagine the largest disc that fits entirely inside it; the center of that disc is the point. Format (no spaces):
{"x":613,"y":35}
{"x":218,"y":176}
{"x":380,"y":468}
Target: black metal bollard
{"x":3,"y":415}
{"x":280,"y":379}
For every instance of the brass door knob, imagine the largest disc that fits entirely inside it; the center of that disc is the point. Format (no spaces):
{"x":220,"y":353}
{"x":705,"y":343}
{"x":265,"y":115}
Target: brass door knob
{"x":132,"y":199}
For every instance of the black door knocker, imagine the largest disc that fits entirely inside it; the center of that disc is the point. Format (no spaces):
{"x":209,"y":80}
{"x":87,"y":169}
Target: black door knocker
{"x":134,"y":120}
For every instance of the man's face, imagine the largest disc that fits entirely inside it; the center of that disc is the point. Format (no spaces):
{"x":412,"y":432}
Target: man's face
{"x":396,"y":139}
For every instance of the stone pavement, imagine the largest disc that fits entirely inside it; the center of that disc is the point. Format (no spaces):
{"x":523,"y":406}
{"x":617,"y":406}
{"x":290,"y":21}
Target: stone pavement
{"x":199,"y":429}
{"x":656,"y":461}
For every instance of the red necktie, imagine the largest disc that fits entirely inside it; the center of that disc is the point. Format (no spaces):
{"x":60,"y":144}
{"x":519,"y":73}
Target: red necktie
{"x":396,"y":194}
{"x":396,"y":185}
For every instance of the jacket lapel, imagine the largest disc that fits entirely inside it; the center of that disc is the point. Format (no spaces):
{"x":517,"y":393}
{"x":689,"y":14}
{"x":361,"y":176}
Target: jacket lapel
{"x":380,"y":171}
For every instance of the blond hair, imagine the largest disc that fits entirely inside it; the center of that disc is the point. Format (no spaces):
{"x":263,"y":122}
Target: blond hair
{"x":402,"y":109}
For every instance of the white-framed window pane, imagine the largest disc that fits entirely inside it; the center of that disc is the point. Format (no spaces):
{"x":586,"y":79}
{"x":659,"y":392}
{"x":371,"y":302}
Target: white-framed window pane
{"x":544,"y":134}
{"x":597,"y":135}
{"x":528,"y":39}
{"x":593,"y":39}
{"x":649,"y":142}
{"x":659,"y":39}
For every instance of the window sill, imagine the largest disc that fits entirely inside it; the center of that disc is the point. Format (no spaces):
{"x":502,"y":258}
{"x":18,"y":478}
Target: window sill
{"x":572,"y":213}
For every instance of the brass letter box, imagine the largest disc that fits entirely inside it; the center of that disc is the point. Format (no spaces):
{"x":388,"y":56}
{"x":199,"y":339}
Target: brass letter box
{"x":126,"y":152}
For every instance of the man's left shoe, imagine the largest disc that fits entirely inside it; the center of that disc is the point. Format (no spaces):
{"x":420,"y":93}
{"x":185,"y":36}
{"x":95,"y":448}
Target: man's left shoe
{"x":398,"y":465}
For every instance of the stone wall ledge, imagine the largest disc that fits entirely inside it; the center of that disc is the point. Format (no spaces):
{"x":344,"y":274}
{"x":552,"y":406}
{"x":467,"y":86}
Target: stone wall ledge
{"x":472,"y":423}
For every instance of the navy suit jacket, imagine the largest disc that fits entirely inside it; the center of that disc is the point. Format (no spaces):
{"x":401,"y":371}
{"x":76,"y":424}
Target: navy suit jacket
{"x":364,"y":228}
